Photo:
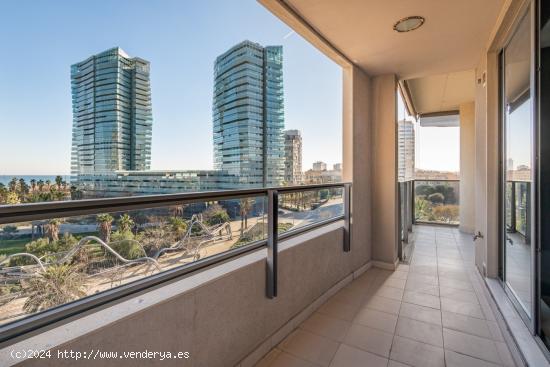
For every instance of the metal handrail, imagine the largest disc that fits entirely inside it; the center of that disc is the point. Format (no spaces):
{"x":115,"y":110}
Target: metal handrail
{"x":55,"y":209}
{"x":431,"y":180}
{"x":18,"y":329}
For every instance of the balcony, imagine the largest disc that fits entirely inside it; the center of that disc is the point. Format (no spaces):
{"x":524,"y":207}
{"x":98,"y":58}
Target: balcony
{"x":433,"y":312}
{"x":317,"y":275}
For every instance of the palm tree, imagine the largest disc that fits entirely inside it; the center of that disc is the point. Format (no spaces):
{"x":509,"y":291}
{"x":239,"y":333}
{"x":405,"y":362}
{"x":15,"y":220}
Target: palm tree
{"x":40,"y":184}
{"x":246,"y":207}
{"x":104,"y":225}
{"x":33,"y":184}
{"x":58,"y":284}
{"x":13,"y":184}
{"x":58,"y":181}
{"x":52,"y":229}
{"x":125,"y":223}
{"x":23,"y":187}
{"x":48,"y":184}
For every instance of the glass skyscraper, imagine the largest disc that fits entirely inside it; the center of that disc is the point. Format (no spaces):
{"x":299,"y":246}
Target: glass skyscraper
{"x":248,"y":114}
{"x":112,"y":116}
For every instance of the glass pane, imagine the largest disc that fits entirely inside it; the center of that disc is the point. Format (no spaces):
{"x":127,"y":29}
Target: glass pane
{"x":518,"y":163}
{"x":299,"y":209}
{"x":437,"y":201}
{"x":544,"y":172}
{"x":47,"y":263}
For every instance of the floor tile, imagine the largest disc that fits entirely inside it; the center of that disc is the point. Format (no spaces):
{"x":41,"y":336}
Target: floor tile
{"x":473,"y":346}
{"x":388,"y":292}
{"x":348,"y":356}
{"x":369,"y":339}
{"x":327,"y":326}
{"x":283,"y":359}
{"x":456,"y":284}
{"x":419,"y":331}
{"x":310,"y":347}
{"x":466,"y":324}
{"x":420,"y":313}
{"x":397,"y":364}
{"x":420,"y":287}
{"x":383,"y":304}
{"x":459,"y":295}
{"x":376,"y":319}
{"x":464,"y":308}
{"x":421,"y":278}
{"x":339,"y":310}
{"x":453,"y":359}
{"x":416,"y":354}
{"x":394,"y":282}
{"x":421,"y":299}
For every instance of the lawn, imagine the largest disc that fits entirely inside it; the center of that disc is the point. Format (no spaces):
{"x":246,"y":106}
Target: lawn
{"x":9,"y":247}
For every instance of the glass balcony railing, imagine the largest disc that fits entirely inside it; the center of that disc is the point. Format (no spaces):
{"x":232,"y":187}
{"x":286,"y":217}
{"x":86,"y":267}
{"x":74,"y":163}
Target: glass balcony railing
{"x":436,"y":201}
{"x":61,"y":258}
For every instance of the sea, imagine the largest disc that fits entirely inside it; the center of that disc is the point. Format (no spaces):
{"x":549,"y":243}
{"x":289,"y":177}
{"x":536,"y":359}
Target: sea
{"x":5,"y":179}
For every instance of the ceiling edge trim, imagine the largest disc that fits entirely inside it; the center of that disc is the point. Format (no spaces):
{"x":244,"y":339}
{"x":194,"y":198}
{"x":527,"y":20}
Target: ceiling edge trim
{"x":407,"y":97}
{"x":286,"y":13}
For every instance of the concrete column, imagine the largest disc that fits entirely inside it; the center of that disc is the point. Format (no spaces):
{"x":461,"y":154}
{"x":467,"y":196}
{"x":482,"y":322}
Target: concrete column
{"x":357,"y":158}
{"x":385,"y":210}
{"x":467,"y":164}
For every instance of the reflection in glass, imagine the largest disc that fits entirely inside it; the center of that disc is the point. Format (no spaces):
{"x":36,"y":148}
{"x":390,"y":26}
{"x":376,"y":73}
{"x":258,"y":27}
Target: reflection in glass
{"x":518,"y":164}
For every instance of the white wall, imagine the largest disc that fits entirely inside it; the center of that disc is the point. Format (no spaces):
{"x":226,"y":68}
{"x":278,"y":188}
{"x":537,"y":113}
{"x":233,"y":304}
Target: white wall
{"x":467,"y":167}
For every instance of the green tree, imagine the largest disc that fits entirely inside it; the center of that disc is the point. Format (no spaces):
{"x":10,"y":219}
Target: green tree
{"x":58,"y":182}
{"x":125,"y":223}
{"x":104,"y":225}
{"x":12,"y":198}
{"x":10,"y":231}
{"x":178,"y":226}
{"x":215,"y":214}
{"x":436,"y":198}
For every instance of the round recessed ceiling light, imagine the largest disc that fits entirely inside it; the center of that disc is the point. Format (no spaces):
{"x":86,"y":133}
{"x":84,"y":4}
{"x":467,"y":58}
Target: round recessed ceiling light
{"x":408,"y":24}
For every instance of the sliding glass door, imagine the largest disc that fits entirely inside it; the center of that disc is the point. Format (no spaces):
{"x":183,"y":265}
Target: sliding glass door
{"x":518,"y":163}
{"x":544,"y":170}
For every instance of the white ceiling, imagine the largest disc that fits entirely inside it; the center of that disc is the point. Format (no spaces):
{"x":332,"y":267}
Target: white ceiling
{"x":451,"y":39}
{"x":442,"y":92}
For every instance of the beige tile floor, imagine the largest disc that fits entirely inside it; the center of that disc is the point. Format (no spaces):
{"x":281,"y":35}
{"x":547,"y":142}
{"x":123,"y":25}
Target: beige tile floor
{"x":429,"y":313}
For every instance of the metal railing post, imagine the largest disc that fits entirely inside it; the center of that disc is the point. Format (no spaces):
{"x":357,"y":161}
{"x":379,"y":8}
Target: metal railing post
{"x":347,"y":217}
{"x":272,"y":248}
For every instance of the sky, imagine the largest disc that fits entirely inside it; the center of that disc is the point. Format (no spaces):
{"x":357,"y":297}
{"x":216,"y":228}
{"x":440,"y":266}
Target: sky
{"x":437,"y":148}
{"x":181,"y":39}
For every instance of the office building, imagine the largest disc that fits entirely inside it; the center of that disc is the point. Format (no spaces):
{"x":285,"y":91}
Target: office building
{"x":248,"y":114}
{"x":112,"y":117}
{"x":293,"y":157}
{"x":405,"y":148}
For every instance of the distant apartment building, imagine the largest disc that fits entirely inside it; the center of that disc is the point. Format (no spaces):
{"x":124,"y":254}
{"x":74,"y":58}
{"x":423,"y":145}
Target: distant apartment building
{"x":319,"y":166}
{"x":405,"y":150}
{"x":293,"y":157}
{"x":320,"y":175}
{"x":130,"y":183}
{"x":112,"y":117}
{"x":248,"y":114}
